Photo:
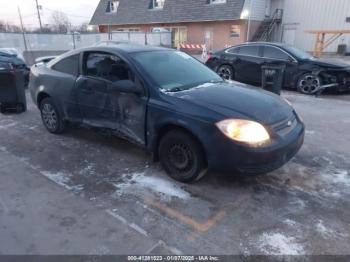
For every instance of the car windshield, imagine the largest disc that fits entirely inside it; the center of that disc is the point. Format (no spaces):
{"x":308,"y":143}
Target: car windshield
{"x":175,"y":71}
{"x":298,"y":53}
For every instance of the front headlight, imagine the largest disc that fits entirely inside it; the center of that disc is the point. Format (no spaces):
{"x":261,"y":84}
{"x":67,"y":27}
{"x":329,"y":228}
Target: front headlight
{"x":245,"y":131}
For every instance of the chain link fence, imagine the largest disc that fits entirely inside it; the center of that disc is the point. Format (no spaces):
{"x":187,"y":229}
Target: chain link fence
{"x":36,"y":45}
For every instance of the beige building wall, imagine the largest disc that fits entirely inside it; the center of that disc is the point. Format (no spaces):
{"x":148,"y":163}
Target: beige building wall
{"x":216,"y":34}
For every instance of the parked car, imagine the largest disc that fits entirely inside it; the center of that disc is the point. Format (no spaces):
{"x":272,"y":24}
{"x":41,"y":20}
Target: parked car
{"x":303,"y":72}
{"x":159,"y":30}
{"x":15,"y":58}
{"x":110,"y":42}
{"x":170,"y":104}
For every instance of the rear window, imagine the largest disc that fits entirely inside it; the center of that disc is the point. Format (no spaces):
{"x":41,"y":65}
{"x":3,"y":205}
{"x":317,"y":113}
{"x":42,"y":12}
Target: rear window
{"x":68,"y":65}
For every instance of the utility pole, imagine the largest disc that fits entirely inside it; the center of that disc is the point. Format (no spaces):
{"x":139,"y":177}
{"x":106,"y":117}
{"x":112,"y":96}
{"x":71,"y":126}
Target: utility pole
{"x":23,"y":33}
{"x":38,"y":7}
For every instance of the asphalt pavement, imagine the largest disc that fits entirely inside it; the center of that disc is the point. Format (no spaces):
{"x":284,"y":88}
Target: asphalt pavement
{"x":85,"y":192}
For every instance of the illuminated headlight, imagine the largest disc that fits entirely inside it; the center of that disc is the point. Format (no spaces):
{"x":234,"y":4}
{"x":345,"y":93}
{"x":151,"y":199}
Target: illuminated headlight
{"x":244,"y":131}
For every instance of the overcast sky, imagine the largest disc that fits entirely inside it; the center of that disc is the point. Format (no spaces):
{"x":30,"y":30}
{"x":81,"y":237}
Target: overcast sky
{"x":78,"y":11}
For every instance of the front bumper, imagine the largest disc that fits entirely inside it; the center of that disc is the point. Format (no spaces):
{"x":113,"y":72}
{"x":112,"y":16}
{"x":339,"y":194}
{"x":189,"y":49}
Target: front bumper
{"x":229,"y":157}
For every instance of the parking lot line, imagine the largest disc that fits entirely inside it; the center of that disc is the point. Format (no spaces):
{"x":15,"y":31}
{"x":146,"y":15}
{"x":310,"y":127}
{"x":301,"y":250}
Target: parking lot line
{"x":197,"y":226}
{"x":124,"y":221}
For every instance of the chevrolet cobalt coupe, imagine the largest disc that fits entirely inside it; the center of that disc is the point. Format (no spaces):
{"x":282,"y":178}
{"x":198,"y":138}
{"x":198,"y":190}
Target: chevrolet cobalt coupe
{"x":170,"y":104}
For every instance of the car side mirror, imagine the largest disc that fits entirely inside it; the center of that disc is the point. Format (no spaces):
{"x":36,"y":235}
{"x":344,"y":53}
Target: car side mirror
{"x":126,"y":86}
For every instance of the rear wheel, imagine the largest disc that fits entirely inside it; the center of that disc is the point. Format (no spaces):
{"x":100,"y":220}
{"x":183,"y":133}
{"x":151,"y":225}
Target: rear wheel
{"x":226,"y":72}
{"x":309,"y":84}
{"x":51,"y":117}
{"x":182,"y":157}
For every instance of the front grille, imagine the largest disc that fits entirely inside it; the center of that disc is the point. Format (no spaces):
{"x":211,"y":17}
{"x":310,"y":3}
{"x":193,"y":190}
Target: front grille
{"x":286,"y":126}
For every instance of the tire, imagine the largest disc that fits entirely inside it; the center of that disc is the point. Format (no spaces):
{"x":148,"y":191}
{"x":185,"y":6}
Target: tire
{"x":226,"y":72}
{"x":51,"y":117}
{"x":309,"y":84}
{"x":182,"y":157}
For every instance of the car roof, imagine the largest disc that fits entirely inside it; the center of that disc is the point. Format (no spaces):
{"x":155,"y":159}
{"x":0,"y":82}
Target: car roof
{"x":123,"y":47}
{"x":120,"y":48}
{"x":282,"y":45}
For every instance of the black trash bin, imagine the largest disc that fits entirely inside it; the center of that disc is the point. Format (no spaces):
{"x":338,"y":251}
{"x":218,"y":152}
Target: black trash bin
{"x":12,"y":89}
{"x":272,"y":78}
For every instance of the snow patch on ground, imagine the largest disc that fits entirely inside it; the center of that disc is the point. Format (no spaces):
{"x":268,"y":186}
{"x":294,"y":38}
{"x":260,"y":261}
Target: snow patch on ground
{"x":62,"y":179}
{"x":279,"y":244}
{"x":7,"y":126}
{"x":140,"y":182}
{"x":323,"y":230}
{"x":310,"y":132}
{"x":340,"y":177}
{"x":89,"y":169}
{"x":290,"y":222}
{"x":323,"y":178}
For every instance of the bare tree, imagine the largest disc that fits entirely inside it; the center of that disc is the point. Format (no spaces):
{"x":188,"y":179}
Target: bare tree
{"x":61,"y":22}
{"x":85,"y":28}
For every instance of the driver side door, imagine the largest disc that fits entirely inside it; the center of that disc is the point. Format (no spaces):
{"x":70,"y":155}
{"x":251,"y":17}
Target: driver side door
{"x":103,"y":106}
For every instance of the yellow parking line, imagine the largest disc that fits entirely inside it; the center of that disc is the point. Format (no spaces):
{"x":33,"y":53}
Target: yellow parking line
{"x":197,"y":226}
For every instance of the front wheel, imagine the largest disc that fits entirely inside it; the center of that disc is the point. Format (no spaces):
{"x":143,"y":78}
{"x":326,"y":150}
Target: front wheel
{"x":226,"y":72}
{"x":182,"y":157}
{"x":309,"y":84}
{"x":51,"y":117}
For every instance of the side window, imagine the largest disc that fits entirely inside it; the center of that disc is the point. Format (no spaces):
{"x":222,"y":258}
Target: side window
{"x":249,"y":50}
{"x":107,"y":66}
{"x":68,"y":65}
{"x":252,"y":50}
{"x":233,"y":50}
{"x":275,"y":53}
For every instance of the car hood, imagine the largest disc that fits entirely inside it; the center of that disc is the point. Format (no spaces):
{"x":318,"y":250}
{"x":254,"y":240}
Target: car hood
{"x":329,"y":63}
{"x":238,"y":100}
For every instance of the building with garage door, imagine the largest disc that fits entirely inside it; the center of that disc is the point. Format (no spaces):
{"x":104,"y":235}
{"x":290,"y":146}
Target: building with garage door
{"x":302,"y":15}
{"x":218,"y":23}
{"x":215,"y":23}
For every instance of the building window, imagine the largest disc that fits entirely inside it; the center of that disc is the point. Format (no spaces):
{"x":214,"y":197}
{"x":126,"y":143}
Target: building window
{"x":158,"y":4}
{"x":235,"y":31}
{"x":112,"y":6}
{"x":217,"y":1}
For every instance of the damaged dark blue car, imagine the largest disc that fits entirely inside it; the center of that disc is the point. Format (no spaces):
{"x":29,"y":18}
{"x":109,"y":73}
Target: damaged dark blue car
{"x":172,"y":105}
